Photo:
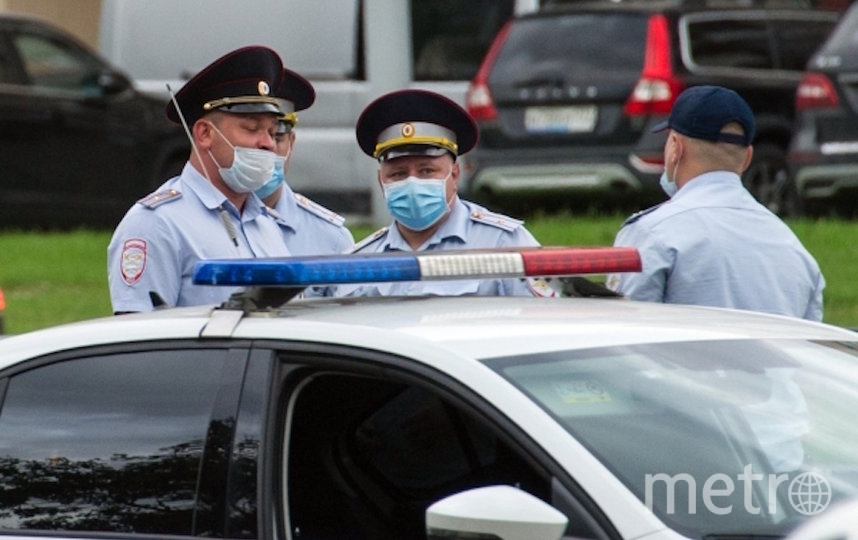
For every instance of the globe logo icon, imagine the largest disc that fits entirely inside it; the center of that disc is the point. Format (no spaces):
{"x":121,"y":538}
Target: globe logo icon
{"x":809,"y":493}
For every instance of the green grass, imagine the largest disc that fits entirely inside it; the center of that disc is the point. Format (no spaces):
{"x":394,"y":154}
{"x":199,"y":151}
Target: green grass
{"x":52,"y":278}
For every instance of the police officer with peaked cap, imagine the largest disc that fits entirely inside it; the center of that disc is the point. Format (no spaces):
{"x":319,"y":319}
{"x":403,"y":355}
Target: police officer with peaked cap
{"x":231,"y":115}
{"x":712,"y":243}
{"x":308,"y":228}
{"x":416,"y":136}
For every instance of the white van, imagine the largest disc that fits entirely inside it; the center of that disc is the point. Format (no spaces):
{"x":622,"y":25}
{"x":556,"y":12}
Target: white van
{"x":351,"y":50}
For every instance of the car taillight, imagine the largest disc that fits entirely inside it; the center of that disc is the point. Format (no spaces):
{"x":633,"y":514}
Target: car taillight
{"x":815,"y":91}
{"x":478,"y":99}
{"x":657,"y":88}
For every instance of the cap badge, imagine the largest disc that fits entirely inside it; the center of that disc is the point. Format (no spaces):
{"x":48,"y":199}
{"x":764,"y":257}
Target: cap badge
{"x":407,"y":130}
{"x":263,"y":89}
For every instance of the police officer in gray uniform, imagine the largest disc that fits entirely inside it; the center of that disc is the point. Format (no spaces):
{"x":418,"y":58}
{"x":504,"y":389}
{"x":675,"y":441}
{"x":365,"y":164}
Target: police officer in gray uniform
{"x":712,"y":243}
{"x":416,"y":137}
{"x":308,"y":228}
{"x":210,"y":210}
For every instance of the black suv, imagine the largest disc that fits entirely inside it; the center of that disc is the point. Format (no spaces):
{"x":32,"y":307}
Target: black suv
{"x":78,"y":144}
{"x":566,"y":97}
{"x":823,"y":156}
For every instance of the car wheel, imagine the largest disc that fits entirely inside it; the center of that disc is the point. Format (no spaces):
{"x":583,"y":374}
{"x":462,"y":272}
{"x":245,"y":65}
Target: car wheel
{"x":768,"y":180}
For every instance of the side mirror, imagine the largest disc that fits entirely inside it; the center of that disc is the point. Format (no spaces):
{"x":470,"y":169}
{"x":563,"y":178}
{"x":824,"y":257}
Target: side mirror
{"x":495,"y":511}
{"x":112,"y":82}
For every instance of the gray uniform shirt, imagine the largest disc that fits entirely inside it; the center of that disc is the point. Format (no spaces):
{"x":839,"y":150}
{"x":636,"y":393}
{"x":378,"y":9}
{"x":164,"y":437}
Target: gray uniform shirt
{"x":469,"y":226}
{"x":713,"y":244}
{"x":157,"y":243}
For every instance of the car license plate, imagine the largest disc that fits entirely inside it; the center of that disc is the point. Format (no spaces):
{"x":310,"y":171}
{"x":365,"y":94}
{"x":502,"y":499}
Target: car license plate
{"x":573,"y":119}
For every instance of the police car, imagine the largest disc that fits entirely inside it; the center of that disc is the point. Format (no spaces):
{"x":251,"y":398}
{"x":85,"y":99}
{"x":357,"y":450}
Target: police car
{"x":446,"y":417}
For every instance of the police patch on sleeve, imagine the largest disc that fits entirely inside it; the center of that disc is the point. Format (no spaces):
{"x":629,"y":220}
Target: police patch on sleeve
{"x":133,"y":260}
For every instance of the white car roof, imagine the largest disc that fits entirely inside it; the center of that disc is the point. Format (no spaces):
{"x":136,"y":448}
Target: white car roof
{"x":479,"y":327}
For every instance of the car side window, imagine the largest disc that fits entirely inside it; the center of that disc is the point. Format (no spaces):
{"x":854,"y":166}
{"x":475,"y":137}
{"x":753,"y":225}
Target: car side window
{"x":451,"y":37}
{"x":49,"y":64}
{"x":107,"y":443}
{"x":367,"y":456}
{"x":734,"y":43}
{"x":797,"y":41}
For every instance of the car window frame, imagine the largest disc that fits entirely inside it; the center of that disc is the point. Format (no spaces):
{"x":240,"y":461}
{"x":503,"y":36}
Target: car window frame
{"x":297,"y":362}
{"x":69,"y":46}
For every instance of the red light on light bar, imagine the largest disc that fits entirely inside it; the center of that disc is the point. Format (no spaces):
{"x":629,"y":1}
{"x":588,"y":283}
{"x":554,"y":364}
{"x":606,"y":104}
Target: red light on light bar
{"x":570,"y":261}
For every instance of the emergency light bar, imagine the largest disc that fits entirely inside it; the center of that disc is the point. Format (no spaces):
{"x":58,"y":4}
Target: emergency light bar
{"x":421,"y":266}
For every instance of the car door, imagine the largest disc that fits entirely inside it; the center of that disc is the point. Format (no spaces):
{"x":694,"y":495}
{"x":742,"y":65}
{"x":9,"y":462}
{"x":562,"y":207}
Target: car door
{"x":69,"y":130}
{"x":369,"y":441}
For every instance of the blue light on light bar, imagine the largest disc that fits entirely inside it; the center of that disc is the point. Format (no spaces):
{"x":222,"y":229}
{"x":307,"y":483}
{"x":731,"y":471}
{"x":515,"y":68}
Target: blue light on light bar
{"x":385,"y":267}
{"x":306,"y":271}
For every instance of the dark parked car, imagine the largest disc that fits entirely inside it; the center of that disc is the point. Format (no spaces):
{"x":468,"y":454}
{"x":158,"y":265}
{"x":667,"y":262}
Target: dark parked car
{"x":566,"y":97}
{"x":78,"y":144}
{"x":823,"y":156}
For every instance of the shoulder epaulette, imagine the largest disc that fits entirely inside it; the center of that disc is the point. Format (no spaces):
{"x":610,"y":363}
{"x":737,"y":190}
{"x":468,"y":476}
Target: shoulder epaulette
{"x":496,"y":220}
{"x":157,"y":198}
{"x":319,"y":210}
{"x":370,"y":239}
{"x":637,"y":215}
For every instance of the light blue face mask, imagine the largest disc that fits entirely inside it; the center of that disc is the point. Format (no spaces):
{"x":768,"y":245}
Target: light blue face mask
{"x":277,"y":179}
{"x":417,"y":203}
{"x":668,"y":185}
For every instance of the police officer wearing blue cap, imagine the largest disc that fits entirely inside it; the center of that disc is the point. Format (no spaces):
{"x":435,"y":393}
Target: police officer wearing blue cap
{"x":231,"y":115}
{"x":308,"y":228}
{"x":416,"y":136}
{"x":712,"y":243}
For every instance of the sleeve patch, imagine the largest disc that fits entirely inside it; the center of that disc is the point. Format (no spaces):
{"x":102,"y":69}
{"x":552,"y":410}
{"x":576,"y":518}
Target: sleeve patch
{"x":319,"y":210}
{"x":157,"y":198}
{"x":133,"y":260}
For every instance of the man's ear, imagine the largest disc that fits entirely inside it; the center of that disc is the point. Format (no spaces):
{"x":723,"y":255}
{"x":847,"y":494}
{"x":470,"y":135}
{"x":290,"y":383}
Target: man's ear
{"x":749,"y":154}
{"x":455,"y":173}
{"x":203,"y":133}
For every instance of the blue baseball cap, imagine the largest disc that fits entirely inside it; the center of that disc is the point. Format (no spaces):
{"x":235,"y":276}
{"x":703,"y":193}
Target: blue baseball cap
{"x":700,"y":112}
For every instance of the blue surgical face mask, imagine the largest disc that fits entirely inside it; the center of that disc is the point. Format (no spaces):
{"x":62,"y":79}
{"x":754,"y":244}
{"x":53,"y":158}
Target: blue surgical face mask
{"x":417,"y":203}
{"x":668,"y":185}
{"x":277,"y":179}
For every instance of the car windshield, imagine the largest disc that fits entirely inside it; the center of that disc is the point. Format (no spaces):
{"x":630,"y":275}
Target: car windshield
{"x":718,"y":438}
